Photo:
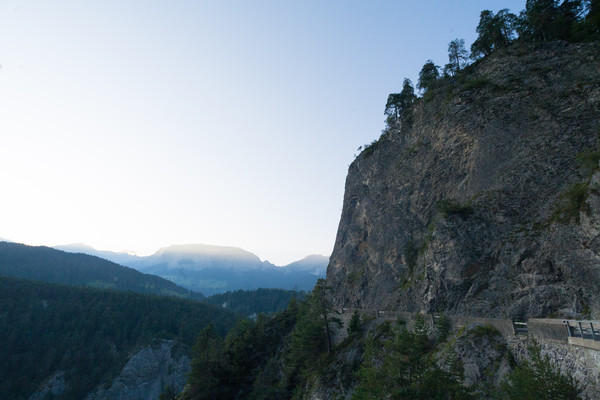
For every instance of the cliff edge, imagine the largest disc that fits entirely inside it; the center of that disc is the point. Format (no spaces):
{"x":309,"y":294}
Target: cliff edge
{"x":486,"y":200}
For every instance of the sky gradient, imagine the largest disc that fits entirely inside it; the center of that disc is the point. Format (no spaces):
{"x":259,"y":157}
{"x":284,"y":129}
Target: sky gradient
{"x":133,"y":125}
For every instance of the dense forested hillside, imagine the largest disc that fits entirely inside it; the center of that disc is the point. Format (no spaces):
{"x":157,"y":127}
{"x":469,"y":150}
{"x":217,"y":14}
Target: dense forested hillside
{"x":55,"y":266}
{"x":249,"y":302}
{"x":86,"y":333}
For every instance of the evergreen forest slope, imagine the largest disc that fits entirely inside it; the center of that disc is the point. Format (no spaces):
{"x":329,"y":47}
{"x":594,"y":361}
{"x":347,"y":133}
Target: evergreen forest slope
{"x":252,"y":302}
{"x":86,"y":335}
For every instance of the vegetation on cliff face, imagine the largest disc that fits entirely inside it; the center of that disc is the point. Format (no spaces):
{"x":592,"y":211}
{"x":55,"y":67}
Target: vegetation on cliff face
{"x":270,"y":358}
{"x":538,"y":379}
{"x":400,"y":363}
{"x":286,"y":356}
{"x":540,"y":21}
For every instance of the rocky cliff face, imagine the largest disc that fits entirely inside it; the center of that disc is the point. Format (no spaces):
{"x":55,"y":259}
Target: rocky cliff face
{"x":147,"y":374}
{"x":487,"y":203}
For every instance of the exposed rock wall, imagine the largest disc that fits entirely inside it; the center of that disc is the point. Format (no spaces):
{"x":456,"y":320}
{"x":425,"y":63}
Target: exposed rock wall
{"x":499,"y":145}
{"x":54,"y":386}
{"x":147,"y":373}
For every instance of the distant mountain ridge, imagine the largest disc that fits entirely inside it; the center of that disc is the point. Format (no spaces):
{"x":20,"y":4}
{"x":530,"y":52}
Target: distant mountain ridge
{"x":202,"y":256}
{"x":47,"y":264}
{"x":121,"y":258}
{"x":217,"y":269}
{"x":312,"y":264}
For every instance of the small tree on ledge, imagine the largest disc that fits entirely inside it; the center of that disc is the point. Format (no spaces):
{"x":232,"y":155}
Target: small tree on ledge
{"x":399,"y":105}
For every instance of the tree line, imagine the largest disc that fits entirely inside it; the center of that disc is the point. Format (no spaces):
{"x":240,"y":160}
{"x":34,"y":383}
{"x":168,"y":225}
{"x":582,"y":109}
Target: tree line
{"x":540,"y":21}
{"x":269,"y":358}
{"x":254,"y":302}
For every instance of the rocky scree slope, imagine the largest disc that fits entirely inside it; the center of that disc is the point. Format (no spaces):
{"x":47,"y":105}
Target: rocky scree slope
{"x":487,"y":201}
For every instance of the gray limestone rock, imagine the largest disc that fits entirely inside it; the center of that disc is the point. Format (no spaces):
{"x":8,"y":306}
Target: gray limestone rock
{"x":484,"y":355}
{"x":147,"y":373}
{"x":55,"y":386}
{"x":481,"y":205}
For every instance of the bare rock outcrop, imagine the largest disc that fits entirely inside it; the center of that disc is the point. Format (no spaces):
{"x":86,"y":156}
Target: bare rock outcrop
{"x":147,"y":374}
{"x":486,"y":202}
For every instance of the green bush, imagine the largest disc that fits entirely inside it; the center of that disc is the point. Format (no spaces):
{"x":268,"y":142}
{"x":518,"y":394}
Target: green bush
{"x":368,"y":149}
{"x":570,"y":203}
{"x":411,"y":254}
{"x":449,"y":207}
{"x":589,"y":160}
{"x":476,"y":83}
{"x":485,"y":331}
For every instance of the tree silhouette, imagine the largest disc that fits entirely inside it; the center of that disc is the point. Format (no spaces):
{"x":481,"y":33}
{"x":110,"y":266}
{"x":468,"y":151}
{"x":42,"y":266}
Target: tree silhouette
{"x":399,"y":104}
{"x":428,"y":76}
{"x":457,"y":56}
{"x":494,"y":31}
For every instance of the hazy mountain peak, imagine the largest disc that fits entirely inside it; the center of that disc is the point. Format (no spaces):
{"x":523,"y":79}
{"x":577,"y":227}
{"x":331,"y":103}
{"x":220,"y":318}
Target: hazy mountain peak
{"x":76,"y":247}
{"x":198,"y":249}
{"x":314,"y":258}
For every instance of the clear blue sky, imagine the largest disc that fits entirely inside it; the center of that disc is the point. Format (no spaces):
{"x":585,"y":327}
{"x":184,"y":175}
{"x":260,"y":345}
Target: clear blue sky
{"x":133,"y":125}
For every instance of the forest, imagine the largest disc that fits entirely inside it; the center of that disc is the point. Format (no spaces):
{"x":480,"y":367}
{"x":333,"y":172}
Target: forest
{"x":254,"y":302}
{"x":89,"y":333}
{"x":282,"y":356}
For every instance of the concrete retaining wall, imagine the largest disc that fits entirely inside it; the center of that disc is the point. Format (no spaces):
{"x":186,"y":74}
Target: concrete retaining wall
{"x":548,"y":330}
{"x":590,"y":344}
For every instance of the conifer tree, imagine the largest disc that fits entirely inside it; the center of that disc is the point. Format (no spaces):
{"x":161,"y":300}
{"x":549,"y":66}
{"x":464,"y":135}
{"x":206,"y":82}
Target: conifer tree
{"x":494,"y":31}
{"x":539,"y":379}
{"x":312,"y":335}
{"x":401,"y":367}
{"x":457,"y":56}
{"x":588,"y":28}
{"x":544,"y":20}
{"x":209,"y":366}
{"x":428,"y":76}
{"x":355,"y":324}
{"x":399,"y":105}
{"x":321,"y":303}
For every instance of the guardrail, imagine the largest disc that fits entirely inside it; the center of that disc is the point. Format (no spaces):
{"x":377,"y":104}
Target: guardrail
{"x":583,"y":329}
{"x":583,"y":333}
